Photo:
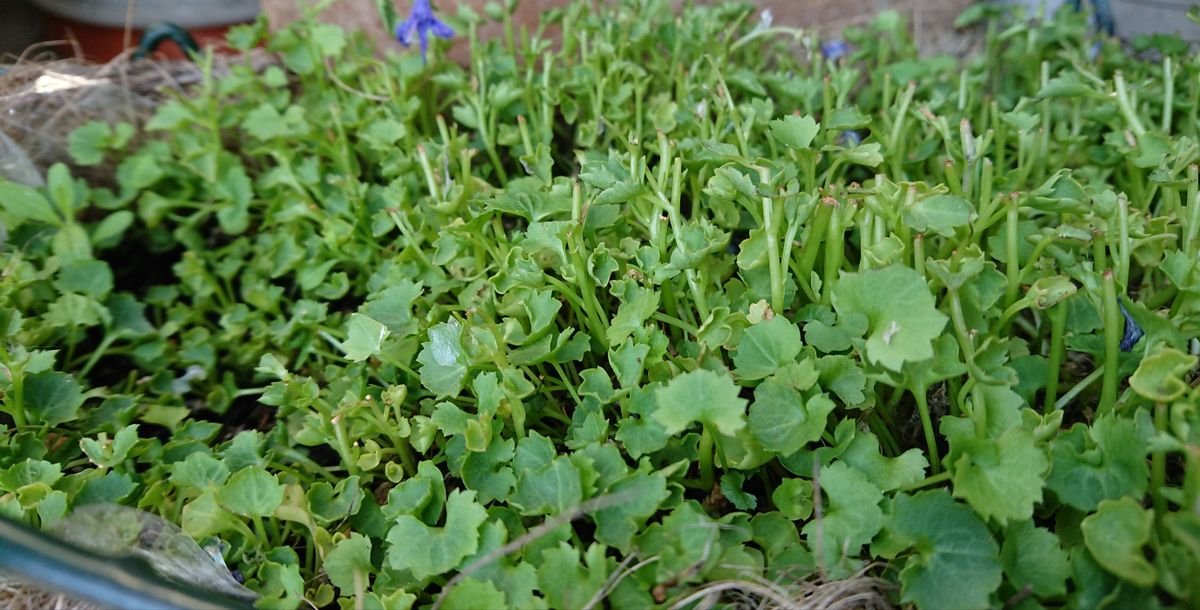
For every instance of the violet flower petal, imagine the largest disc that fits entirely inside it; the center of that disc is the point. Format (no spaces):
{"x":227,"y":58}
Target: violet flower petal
{"x":442,"y":30}
{"x":834,"y":49}
{"x":422,"y":21}
{"x":404,"y":31}
{"x":1133,"y":331}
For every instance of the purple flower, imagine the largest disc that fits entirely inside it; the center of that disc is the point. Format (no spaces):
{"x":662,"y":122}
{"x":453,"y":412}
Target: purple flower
{"x":1133,"y":331}
{"x":422,"y":22}
{"x":834,"y":49}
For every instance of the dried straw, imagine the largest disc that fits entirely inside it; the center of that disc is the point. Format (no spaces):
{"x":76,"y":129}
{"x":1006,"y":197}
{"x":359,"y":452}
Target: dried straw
{"x":18,"y":596}
{"x":42,"y":99}
{"x":857,"y":592}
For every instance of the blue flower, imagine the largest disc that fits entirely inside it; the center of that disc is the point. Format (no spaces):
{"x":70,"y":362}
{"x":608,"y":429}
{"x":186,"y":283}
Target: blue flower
{"x":834,"y":49}
{"x":422,"y":22}
{"x":1133,"y":331}
{"x":850,"y":138}
{"x":765,"y":19}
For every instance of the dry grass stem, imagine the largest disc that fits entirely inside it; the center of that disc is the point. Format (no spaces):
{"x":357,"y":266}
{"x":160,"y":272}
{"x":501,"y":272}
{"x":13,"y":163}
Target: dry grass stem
{"x":42,"y":100}
{"x":15,"y":595}
{"x":858,"y":592}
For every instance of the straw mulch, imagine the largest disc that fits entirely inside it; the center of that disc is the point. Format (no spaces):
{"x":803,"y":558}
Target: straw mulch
{"x":43,"y":99}
{"x":19,"y":596}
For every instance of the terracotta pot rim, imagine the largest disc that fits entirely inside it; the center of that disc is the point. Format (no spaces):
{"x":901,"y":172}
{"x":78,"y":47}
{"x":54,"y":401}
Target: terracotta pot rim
{"x":185,"y":13}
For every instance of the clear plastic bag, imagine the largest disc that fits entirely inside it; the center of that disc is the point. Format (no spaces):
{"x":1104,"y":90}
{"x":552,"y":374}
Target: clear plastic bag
{"x":121,"y":531}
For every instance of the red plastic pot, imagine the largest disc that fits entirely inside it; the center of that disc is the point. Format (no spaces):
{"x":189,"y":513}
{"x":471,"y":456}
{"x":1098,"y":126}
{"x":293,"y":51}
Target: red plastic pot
{"x":99,"y":26}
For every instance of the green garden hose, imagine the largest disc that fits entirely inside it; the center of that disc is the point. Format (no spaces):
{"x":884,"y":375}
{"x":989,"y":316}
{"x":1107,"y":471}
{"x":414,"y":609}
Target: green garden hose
{"x":156,"y":35}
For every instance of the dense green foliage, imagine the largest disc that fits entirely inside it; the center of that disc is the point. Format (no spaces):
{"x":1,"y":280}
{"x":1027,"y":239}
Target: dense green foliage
{"x":761,"y":312}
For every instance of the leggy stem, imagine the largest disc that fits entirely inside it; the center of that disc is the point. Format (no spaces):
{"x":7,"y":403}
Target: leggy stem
{"x":1058,"y":324}
{"x":706,"y":459}
{"x":835,"y":246}
{"x":1158,"y":464}
{"x":1112,"y":344}
{"x":1012,"y":267}
{"x":1168,"y":94}
{"x":816,"y":234}
{"x":771,"y":225}
{"x":927,"y":428}
{"x":1127,"y":109}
